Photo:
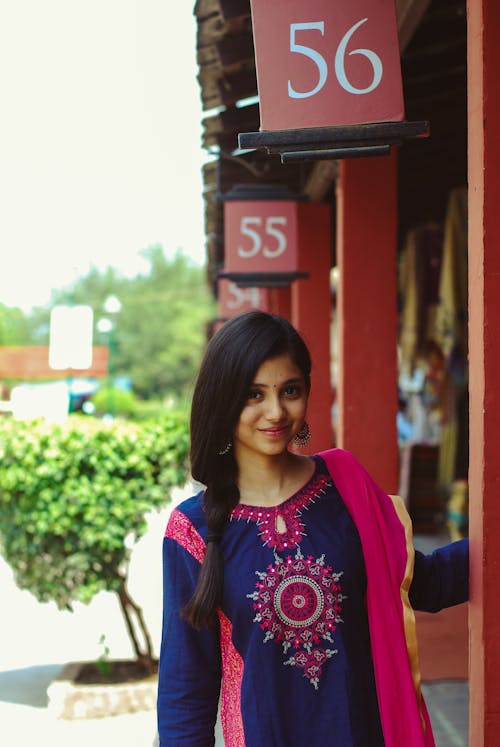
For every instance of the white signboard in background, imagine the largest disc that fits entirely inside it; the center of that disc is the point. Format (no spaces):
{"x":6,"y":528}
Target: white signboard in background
{"x":70,"y":337}
{"x":49,"y":401}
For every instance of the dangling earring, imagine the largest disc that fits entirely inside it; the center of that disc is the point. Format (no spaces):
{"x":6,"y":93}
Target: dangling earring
{"x":303,"y":436}
{"x":226,"y":449}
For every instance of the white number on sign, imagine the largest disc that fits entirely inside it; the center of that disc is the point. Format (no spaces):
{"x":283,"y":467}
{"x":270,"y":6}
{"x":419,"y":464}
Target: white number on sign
{"x":238,"y":296}
{"x":340,"y":55}
{"x":248,"y":227}
{"x":315,"y":56}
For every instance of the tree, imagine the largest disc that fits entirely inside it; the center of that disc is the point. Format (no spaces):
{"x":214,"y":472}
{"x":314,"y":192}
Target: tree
{"x":159,"y":333}
{"x":73,"y":497}
{"x":14,"y":326}
{"x":161,"y":330}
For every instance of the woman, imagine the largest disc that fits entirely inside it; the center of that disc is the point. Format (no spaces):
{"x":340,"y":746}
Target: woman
{"x":286,"y":579}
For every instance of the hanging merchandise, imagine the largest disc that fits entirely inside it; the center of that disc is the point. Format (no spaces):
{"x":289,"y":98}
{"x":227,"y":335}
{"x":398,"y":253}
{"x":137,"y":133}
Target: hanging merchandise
{"x":419,"y":290}
{"x":451,"y":334}
{"x":419,"y":358}
{"x":451,"y":318}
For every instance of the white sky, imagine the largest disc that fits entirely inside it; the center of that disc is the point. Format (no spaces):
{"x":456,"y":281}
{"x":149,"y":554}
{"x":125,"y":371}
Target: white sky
{"x":100,"y":131}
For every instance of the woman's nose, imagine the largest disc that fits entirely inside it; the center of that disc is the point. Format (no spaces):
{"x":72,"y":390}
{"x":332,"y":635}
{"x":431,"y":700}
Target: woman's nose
{"x":274,"y":408}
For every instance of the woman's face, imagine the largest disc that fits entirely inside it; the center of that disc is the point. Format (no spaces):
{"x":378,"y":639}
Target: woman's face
{"x":274,"y":410}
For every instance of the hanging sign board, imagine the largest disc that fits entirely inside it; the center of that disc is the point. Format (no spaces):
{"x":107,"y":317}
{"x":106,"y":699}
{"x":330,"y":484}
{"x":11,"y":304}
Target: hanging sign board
{"x":234,"y":300}
{"x":322,"y":63}
{"x":260,"y":236}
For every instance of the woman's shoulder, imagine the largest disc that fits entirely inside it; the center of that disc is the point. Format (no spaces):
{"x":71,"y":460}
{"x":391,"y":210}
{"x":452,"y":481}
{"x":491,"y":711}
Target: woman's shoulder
{"x":338,"y":456}
{"x":186,"y":525}
{"x":192,"y":508}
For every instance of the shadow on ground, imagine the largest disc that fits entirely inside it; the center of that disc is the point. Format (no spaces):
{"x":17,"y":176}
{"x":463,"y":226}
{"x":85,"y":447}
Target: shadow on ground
{"x":28,"y":686}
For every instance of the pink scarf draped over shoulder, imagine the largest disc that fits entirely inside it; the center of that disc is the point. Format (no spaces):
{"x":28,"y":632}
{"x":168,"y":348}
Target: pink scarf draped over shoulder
{"x":385,"y":531}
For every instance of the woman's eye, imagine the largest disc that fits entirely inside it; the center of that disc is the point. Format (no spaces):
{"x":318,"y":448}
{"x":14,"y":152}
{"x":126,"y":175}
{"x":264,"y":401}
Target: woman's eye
{"x":292,"y":391}
{"x":253,"y":394}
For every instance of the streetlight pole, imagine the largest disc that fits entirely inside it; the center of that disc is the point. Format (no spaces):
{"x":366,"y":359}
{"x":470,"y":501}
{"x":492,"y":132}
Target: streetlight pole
{"x":112,"y":306}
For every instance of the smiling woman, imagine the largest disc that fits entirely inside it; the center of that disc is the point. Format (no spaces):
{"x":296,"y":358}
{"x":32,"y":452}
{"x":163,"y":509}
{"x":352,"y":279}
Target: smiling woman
{"x":288,"y":579}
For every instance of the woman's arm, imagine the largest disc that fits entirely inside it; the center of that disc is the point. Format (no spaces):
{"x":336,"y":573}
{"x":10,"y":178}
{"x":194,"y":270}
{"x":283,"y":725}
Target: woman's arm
{"x":190,"y":666}
{"x":441,"y":579}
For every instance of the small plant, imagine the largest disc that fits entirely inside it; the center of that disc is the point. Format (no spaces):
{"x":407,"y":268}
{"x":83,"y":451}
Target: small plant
{"x":103,"y":663}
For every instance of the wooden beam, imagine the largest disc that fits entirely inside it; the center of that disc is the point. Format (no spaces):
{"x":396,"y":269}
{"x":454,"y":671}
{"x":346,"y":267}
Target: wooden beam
{"x":205,"y":8}
{"x":409,"y":14}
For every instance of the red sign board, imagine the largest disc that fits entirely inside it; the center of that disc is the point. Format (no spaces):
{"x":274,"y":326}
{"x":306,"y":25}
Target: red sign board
{"x":322,"y":63}
{"x":31,"y":362}
{"x":234,"y":300}
{"x":260,"y":236}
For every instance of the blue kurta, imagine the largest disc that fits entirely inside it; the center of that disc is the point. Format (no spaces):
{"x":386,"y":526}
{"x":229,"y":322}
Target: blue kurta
{"x":294,"y":601}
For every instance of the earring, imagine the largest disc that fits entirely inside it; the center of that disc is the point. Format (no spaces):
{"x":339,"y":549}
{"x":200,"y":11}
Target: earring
{"x":303,"y":436}
{"x":226,"y":449}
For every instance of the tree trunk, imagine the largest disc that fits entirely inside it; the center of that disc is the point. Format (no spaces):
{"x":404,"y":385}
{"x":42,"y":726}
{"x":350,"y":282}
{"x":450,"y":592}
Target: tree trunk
{"x":136,"y":627}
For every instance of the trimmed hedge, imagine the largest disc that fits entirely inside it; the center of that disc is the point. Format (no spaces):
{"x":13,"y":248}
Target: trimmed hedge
{"x":73,"y":499}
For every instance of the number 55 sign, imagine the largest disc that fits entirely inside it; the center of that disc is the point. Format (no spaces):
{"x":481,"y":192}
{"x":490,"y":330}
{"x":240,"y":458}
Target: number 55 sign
{"x":322,"y":63}
{"x":260,"y":236}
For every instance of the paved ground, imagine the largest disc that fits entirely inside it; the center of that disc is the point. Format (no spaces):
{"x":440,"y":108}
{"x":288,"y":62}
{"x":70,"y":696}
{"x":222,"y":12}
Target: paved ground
{"x":447,"y":700}
{"x":448,"y":704}
{"x":36,"y":640}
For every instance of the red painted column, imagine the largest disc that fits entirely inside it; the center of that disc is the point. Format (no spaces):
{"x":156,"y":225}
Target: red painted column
{"x":484,"y":369}
{"x":280,"y":302}
{"x":367,"y":314}
{"x":311,"y":314}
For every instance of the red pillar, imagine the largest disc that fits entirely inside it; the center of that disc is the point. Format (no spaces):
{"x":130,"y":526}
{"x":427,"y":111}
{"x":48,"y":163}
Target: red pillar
{"x":367,"y":309}
{"x":484,"y":369}
{"x":311,"y":313}
{"x":280,"y":302}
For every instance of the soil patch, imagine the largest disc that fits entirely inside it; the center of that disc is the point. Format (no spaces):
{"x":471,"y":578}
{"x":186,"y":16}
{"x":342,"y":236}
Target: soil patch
{"x":113,"y":672}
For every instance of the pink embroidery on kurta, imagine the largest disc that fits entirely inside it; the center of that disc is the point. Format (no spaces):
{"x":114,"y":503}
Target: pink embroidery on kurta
{"x":182,"y":531}
{"x":232,"y":675}
{"x":297,"y":604}
{"x":290,"y":512}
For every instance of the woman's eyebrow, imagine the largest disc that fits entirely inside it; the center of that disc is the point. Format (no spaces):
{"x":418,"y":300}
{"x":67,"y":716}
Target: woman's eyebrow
{"x":297,"y":380}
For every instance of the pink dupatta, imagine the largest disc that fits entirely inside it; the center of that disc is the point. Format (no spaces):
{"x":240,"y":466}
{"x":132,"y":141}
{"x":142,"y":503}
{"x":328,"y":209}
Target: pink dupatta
{"x":386,"y":537}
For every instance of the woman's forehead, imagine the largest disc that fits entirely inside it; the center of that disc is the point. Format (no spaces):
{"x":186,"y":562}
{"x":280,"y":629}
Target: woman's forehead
{"x":278,"y":370}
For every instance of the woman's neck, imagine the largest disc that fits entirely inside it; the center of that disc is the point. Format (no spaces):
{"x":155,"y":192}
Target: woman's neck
{"x":268,"y":481}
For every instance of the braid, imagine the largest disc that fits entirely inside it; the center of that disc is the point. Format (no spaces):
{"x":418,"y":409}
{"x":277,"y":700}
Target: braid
{"x":220,"y":497}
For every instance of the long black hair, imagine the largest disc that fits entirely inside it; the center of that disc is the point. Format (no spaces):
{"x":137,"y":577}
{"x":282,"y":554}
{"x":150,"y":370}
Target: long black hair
{"x":227,"y":371}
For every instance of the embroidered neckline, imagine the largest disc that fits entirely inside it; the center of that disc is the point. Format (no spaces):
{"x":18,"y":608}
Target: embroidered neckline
{"x":290,"y":511}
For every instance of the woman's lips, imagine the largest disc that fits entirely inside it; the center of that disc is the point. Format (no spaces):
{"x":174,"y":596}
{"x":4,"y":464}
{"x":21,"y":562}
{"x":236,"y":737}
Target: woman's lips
{"x":274,"y":432}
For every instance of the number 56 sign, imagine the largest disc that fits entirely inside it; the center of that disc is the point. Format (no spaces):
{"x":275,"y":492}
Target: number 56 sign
{"x":322,"y":63}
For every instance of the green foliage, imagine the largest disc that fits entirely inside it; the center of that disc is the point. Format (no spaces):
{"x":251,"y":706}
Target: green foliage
{"x":14,"y":327}
{"x":73,"y":499}
{"x":159,"y":334}
{"x":150,"y":409}
{"x":115,"y":401}
{"x":103,"y":663}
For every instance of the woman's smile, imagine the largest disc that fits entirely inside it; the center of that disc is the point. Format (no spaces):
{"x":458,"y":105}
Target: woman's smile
{"x":275,"y":432}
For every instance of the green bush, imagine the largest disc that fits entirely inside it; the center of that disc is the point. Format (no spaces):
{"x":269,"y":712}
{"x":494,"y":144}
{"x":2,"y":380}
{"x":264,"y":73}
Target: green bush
{"x":71,"y":495}
{"x":115,"y":401}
